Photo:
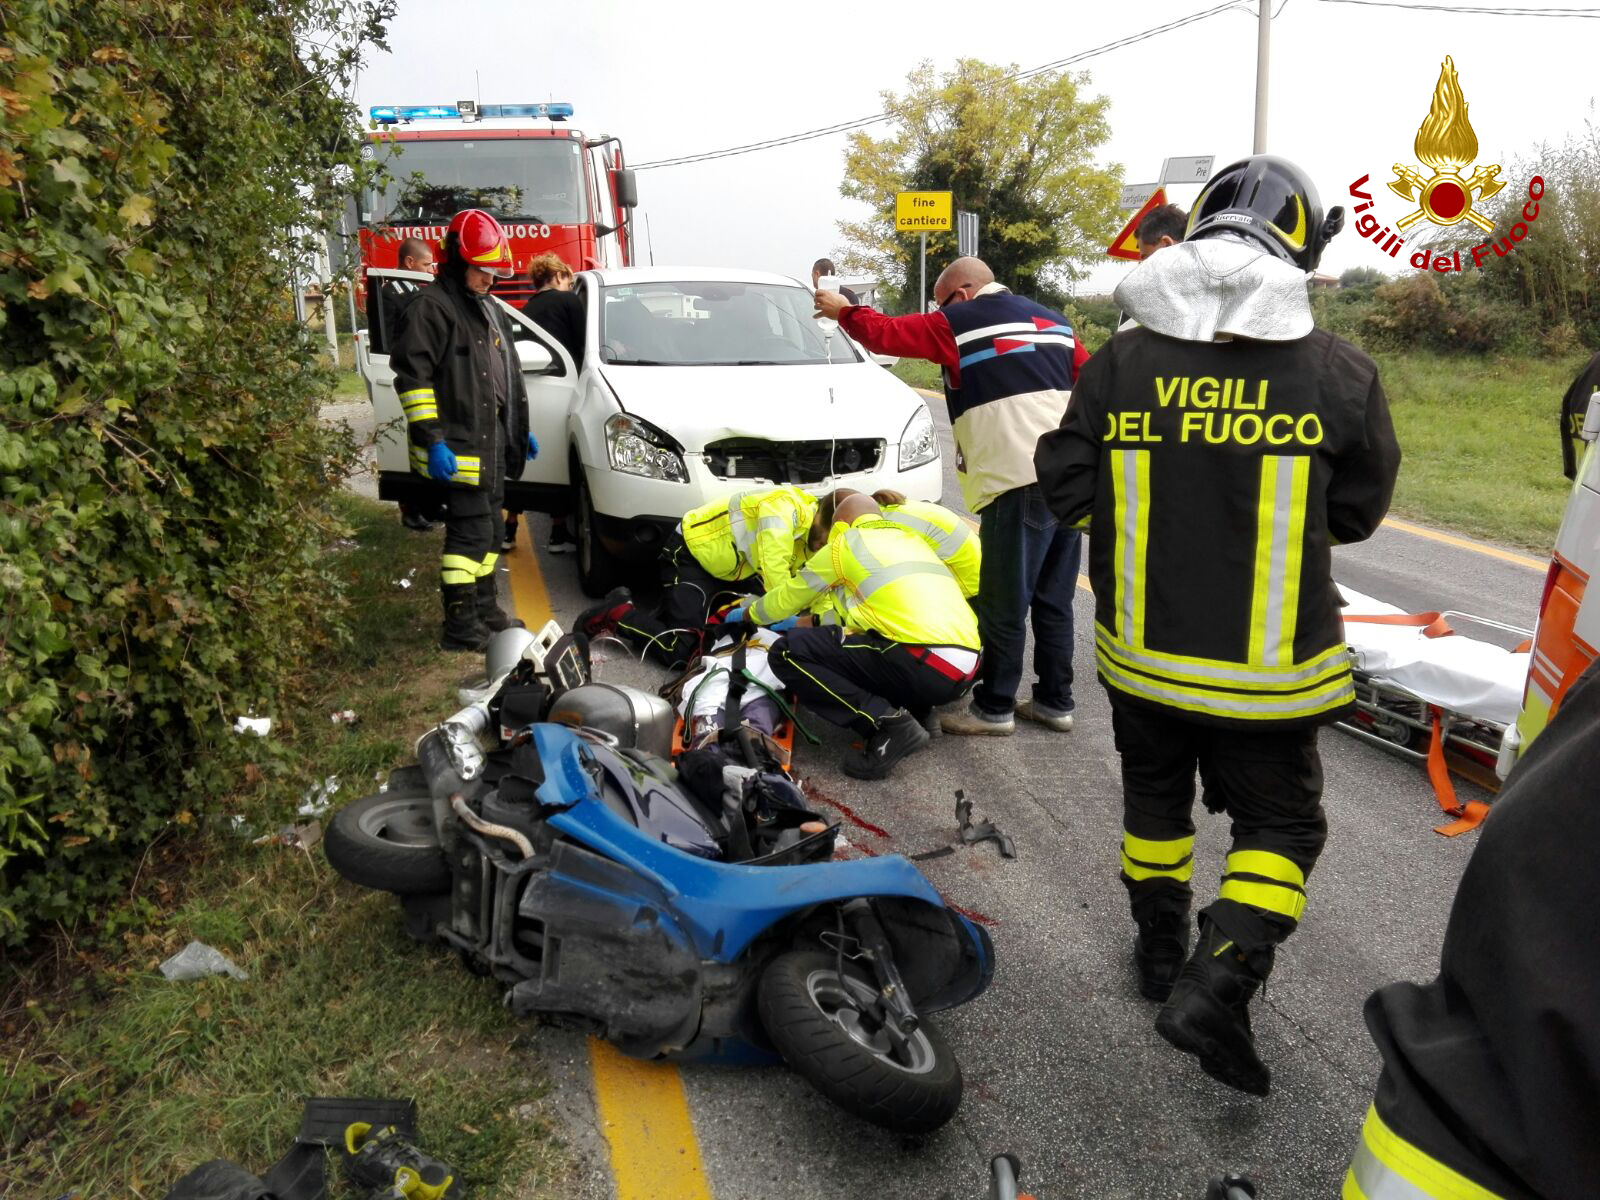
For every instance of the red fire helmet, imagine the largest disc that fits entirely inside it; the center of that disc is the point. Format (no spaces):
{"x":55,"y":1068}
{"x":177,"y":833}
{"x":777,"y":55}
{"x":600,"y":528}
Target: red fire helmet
{"x":481,"y":242}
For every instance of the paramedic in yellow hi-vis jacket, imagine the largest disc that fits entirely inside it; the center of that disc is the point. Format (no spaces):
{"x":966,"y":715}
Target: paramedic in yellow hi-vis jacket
{"x":948,"y":534}
{"x":746,"y":543}
{"x":1217,"y":453}
{"x":898,"y":638}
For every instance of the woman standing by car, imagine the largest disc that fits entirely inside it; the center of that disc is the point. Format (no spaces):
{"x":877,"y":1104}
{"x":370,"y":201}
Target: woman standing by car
{"x":556,"y":309}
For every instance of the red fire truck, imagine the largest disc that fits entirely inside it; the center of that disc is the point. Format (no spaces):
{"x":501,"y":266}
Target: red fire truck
{"x":550,"y":186}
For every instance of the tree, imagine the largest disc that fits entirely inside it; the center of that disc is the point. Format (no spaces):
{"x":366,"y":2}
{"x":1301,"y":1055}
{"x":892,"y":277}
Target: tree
{"x":1018,"y":152}
{"x":1362,"y":278}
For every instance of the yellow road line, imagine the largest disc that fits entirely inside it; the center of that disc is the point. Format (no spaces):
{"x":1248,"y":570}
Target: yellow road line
{"x":645,"y":1117}
{"x":529,"y":599}
{"x":1450,"y":539}
{"x":1083,"y":582}
{"x":643,"y":1112}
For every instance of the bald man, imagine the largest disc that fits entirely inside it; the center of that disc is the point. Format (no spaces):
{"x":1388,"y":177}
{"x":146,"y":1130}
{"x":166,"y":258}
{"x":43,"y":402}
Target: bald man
{"x":1009,"y":366}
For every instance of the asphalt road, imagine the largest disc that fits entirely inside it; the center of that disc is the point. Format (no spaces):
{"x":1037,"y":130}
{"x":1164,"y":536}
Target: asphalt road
{"x":1062,"y":1063}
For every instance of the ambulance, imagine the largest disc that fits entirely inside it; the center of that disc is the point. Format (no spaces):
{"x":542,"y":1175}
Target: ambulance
{"x":1567,"y":638}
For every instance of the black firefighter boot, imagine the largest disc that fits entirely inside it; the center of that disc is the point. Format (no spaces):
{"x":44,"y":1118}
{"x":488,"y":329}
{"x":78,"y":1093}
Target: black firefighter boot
{"x":462,"y":629}
{"x":1208,"y":1014}
{"x":490,"y":613}
{"x":897,"y":736}
{"x":1158,"y":953}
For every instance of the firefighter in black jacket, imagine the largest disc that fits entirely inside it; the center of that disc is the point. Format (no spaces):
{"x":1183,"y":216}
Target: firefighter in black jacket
{"x":1491,"y":1073}
{"x":460,"y":386}
{"x":1216,"y":454}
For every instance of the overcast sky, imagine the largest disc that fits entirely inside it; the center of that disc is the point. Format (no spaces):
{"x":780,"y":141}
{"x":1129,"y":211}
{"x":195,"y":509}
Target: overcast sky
{"x":1349,"y":86}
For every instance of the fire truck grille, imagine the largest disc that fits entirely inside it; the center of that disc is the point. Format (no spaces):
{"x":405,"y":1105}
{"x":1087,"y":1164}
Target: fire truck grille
{"x":792,"y":462}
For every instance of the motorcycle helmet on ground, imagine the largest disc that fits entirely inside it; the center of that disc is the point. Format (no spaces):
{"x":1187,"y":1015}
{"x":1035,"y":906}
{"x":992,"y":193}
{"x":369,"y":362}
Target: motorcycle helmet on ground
{"x":475,"y":239}
{"x":1271,"y":201}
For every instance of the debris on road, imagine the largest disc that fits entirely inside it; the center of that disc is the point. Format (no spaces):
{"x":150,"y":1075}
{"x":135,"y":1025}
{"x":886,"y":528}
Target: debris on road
{"x":198,"y":960}
{"x":345,"y":716}
{"x":406,"y":581}
{"x":982,"y":831}
{"x":260,"y":726}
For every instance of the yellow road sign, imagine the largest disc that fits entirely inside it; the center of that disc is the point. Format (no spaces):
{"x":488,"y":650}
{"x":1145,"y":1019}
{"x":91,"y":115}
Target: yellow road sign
{"x":923,"y":212}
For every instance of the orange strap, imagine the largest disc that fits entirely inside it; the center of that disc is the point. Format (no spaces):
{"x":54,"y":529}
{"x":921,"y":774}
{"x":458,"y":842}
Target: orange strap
{"x":1432,"y":624}
{"x":1469,"y":815}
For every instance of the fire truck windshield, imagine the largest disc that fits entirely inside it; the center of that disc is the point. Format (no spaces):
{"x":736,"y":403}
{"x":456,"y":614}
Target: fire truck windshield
{"x":516,"y":179}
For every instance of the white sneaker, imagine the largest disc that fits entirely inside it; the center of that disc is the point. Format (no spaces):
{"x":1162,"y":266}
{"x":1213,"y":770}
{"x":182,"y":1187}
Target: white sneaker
{"x":1049,"y":718}
{"x":971,"y":723}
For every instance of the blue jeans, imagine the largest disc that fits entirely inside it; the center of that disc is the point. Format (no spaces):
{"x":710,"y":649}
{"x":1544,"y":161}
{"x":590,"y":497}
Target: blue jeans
{"x":1029,"y":562}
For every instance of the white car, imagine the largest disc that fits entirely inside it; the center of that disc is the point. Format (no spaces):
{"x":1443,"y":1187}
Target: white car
{"x":696,"y":383}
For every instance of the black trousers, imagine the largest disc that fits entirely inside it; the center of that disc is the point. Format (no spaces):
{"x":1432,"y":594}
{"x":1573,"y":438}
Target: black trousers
{"x":1269,"y":782}
{"x":858,"y":679}
{"x":473,"y":529}
{"x":669,"y":631}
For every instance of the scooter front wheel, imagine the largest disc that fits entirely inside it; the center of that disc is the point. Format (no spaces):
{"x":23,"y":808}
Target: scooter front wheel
{"x":819,"y":1020}
{"x":388,"y":842}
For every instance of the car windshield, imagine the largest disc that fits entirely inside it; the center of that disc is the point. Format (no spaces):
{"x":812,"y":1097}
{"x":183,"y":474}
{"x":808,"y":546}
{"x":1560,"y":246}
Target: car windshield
{"x":714,"y":323}
{"x":516,"y":179}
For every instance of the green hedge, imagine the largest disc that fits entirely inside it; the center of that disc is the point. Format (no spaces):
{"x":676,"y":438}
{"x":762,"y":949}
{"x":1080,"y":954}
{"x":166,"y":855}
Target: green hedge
{"x":164,"y":479}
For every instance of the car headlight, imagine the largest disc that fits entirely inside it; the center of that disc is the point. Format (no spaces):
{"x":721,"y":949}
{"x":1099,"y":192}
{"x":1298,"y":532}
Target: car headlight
{"x":638,"y":448}
{"x":920,"y":442}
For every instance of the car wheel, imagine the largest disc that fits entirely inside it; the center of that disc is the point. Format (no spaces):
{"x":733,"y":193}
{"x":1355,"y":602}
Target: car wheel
{"x":598,"y":569}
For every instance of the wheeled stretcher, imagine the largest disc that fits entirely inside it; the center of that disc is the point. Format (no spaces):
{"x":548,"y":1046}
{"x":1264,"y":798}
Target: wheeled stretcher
{"x":1434,"y":695}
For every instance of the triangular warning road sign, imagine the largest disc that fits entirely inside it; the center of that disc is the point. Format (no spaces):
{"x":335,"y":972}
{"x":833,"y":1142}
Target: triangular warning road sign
{"x":1126,"y":243}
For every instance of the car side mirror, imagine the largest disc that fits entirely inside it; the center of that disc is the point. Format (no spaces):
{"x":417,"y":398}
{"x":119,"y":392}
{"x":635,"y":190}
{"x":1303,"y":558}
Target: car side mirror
{"x":535,"y":357}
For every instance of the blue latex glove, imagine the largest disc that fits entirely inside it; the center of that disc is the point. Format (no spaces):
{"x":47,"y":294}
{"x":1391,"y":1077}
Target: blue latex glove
{"x":533,"y":447}
{"x":785,"y":625}
{"x":441,"y":462}
{"x":734,"y":615}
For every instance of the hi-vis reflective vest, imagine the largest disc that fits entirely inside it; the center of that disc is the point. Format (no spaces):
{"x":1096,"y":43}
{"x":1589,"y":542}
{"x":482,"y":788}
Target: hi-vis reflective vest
{"x":882,"y":578}
{"x":949,"y":535}
{"x":752,"y":533}
{"x":1215,"y":477}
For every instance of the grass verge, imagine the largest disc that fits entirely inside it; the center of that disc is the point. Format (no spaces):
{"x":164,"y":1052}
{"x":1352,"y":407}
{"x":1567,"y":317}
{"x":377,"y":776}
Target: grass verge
{"x":1479,"y":441}
{"x":117,"y":1082}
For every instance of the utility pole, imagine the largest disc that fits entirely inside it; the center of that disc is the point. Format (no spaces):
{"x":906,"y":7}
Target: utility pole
{"x":1263,"y":46}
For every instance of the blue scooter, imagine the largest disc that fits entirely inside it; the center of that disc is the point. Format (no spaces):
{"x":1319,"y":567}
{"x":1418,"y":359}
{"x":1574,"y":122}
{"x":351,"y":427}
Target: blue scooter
{"x":579,"y":868}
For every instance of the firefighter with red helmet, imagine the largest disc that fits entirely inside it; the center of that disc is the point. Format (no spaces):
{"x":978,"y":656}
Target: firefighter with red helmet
{"x":460,"y":386}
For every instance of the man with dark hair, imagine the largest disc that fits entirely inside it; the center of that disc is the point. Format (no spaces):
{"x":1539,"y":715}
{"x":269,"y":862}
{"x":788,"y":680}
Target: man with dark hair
{"x":1163,"y":227}
{"x":1009,"y":368}
{"x":1574,"y":408}
{"x":824,"y":266}
{"x":555,"y":308}
{"x":460,"y":387}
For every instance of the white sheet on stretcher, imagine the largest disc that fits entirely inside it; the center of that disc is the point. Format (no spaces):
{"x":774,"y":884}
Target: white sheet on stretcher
{"x":1460,"y":674}
{"x":710,"y":697}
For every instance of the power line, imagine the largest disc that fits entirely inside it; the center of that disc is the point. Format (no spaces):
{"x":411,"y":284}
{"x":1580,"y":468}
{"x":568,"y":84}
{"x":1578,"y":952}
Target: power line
{"x":1585,"y":14}
{"x":861,"y":122}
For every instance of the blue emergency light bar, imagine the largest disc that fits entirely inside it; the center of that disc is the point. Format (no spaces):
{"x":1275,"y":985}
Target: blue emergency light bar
{"x":393,"y":114}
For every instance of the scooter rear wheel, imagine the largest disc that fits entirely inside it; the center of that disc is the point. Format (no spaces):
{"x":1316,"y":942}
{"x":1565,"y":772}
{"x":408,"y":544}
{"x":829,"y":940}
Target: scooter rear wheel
{"x":816,"y":1018}
{"x":388,"y":842}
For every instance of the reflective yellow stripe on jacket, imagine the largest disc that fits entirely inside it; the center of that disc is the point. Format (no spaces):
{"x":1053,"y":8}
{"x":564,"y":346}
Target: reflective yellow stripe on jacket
{"x":1269,"y":684}
{"x":752,"y":533}
{"x":882,"y":578}
{"x":1387,"y":1167}
{"x":947,"y":534}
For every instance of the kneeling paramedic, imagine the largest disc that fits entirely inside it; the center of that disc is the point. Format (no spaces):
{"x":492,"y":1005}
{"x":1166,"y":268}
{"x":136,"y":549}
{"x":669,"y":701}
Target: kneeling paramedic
{"x":460,"y":386}
{"x":747,"y":543}
{"x":899,"y":641}
{"x":948,"y":534}
{"x":1218,"y":453}
{"x":1491,"y":1073}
